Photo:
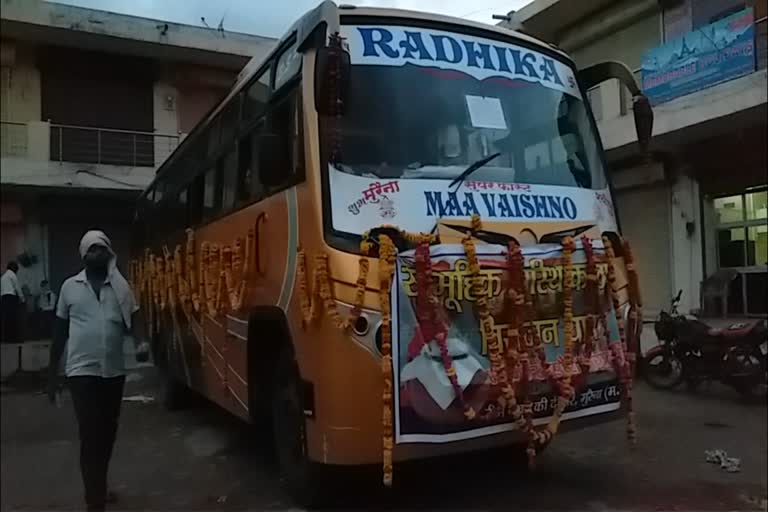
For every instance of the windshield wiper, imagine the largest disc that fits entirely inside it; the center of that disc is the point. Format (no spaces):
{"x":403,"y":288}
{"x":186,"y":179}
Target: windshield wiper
{"x":472,"y":168}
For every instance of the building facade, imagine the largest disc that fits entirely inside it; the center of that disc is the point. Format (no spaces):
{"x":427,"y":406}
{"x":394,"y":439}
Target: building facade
{"x":92,"y":103}
{"x":697,"y":204}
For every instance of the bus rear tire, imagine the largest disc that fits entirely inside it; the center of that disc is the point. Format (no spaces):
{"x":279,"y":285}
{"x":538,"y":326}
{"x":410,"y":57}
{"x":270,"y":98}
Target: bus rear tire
{"x":174,"y":395}
{"x":302,"y":479}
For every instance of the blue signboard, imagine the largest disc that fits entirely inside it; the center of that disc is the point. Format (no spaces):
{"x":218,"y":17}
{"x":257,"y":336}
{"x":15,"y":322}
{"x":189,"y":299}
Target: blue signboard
{"x":706,"y":56}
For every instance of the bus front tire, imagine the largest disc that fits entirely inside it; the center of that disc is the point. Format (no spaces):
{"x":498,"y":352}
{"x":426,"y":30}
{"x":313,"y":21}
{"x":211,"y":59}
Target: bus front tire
{"x":302,"y":479}
{"x":174,"y":395}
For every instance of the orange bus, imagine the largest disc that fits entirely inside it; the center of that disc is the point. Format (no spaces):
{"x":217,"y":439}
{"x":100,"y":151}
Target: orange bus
{"x":393,"y":239}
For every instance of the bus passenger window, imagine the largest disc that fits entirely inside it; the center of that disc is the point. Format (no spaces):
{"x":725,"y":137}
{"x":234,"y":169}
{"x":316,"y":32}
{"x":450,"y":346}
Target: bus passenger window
{"x":182,"y":204}
{"x":256,"y":97}
{"x":228,"y":171}
{"x":196,"y":193}
{"x":285,"y":124}
{"x":244,"y":170}
{"x":249,"y":185}
{"x":212,"y":194}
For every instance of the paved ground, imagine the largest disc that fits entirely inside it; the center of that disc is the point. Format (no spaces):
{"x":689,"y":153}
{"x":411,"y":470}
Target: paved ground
{"x":201,"y":460}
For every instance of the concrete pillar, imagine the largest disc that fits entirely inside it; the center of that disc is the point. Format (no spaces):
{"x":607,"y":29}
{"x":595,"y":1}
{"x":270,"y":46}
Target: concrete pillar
{"x":39,"y":140}
{"x":166,"y":120}
{"x":687,"y":265}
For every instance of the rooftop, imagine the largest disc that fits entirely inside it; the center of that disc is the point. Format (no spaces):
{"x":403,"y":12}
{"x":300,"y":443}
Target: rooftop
{"x":44,"y":22}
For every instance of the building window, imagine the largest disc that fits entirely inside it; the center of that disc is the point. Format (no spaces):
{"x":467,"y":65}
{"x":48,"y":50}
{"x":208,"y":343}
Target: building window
{"x":742,"y":233}
{"x":742,"y":244}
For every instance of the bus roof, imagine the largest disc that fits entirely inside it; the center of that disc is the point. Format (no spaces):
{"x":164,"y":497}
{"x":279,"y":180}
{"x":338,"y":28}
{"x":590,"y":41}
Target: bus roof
{"x":330,"y":14}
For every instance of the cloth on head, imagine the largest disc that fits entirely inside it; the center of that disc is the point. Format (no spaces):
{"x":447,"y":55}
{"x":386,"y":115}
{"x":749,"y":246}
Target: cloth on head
{"x":116,"y":280}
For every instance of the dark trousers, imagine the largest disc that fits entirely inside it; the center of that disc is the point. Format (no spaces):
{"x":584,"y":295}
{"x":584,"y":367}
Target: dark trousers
{"x":10,"y":311}
{"x":97,"y":406}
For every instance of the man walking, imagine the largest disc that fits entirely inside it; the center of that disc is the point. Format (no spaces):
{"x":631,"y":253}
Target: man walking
{"x":11,"y":299}
{"x":95,"y":312}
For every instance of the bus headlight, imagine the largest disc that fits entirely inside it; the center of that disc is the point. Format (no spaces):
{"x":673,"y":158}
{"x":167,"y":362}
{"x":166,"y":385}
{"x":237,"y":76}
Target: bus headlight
{"x":366,"y":329}
{"x":625,"y":310}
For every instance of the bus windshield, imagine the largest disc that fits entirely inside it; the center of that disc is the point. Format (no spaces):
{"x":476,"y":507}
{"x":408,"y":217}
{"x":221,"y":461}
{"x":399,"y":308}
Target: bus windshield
{"x":416,"y":122}
{"x":426,"y":105}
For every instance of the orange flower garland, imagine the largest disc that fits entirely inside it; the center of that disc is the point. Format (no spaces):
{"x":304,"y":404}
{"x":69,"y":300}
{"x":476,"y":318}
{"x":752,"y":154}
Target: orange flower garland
{"x":387,"y":255}
{"x":635,"y":304}
{"x":592,"y":303}
{"x":175,"y":279}
{"x":563,"y":386}
{"x":495,"y":351}
{"x":618,"y":351}
{"x":321,"y":293}
{"x":431,"y":325}
{"x":520,"y":330}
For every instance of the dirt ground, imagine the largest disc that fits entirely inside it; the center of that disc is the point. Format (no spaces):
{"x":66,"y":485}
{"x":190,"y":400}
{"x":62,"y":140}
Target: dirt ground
{"x":201,"y":459}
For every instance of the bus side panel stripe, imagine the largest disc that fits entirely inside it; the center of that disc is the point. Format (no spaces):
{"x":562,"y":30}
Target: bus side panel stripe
{"x":289,"y":278}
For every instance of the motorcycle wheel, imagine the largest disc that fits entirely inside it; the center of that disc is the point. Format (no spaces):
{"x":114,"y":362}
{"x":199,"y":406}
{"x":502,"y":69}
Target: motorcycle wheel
{"x":756,"y":385}
{"x":663,"y":370}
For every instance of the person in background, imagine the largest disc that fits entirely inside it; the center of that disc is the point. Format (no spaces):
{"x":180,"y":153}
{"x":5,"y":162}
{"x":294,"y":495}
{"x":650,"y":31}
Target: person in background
{"x":11,"y":300}
{"x":46,"y":302}
{"x":95,"y":312}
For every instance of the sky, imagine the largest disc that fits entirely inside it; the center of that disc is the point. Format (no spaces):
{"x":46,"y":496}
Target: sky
{"x":273,"y":17}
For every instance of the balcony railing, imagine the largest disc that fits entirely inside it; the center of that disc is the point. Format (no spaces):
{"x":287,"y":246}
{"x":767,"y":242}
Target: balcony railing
{"x":111,"y":147}
{"x":13,"y":139}
{"x":39,"y":140}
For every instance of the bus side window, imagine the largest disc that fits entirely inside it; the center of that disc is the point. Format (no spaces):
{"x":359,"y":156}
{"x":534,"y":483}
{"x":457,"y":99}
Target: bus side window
{"x":256,"y":97}
{"x":228,"y":171}
{"x":212,"y":193}
{"x":249,"y":187}
{"x":181,"y":215}
{"x":285,"y":122}
{"x":197,"y":191}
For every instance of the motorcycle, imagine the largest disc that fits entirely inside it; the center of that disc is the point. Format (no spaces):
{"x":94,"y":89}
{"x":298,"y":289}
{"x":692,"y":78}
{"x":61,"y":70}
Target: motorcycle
{"x":693,"y":350}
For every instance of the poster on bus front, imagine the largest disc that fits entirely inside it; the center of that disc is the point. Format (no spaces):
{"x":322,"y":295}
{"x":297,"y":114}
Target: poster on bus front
{"x":427,"y":409}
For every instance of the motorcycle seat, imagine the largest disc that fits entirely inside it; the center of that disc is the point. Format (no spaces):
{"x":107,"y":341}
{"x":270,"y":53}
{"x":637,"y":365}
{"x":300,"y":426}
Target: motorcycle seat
{"x":735,"y":330}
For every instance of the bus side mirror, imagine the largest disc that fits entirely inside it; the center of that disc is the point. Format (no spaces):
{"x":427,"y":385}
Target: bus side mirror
{"x":332,"y":67}
{"x":643,"y":114}
{"x":641,"y":106}
{"x":271,"y":171}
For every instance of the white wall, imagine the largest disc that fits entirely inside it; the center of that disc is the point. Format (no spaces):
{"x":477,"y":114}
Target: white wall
{"x":22,"y":102}
{"x":687,"y":265}
{"x":626,"y":45}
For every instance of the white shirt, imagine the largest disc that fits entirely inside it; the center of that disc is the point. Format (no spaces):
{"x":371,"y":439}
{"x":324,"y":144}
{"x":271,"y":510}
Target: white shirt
{"x":47,"y":301}
{"x":9,"y":285}
{"x":96,"y":329}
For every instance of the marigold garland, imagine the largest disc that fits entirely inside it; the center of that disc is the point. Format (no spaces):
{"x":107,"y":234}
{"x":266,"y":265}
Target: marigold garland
{"x":387,"y":255}
{"x":321,"y":293}
{"x":177,"y":279}
{"x":495,"y":351}
{"x":432,"y":325}
{"x":593,"y":310}
{"x":519,"y":330}
{"x":618,"y":350}
{"x":635,"y":304}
